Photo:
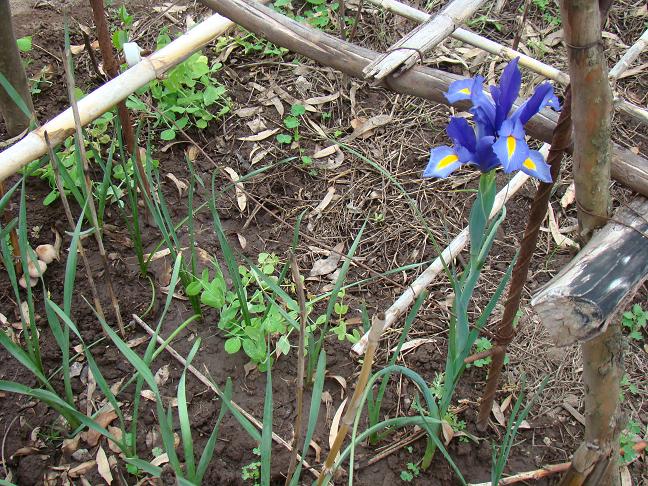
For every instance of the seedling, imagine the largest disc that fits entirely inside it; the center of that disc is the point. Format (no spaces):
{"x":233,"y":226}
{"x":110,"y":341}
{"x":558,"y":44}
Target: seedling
{"x":634,"y":321}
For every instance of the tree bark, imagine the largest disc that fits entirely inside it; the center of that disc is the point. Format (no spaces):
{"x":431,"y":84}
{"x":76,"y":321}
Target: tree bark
{"x":11,"y":67}
{"x":595,"y":462}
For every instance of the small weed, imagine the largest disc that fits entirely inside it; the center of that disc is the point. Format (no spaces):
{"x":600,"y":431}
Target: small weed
{"x":484,"y":344}
{"x":252,"y":472}
{"x":412,"y":471}
{"x":627,"y":387}
{"x":627,"y":441}
{"x":547,"y":9}
{"x":635,"y":321}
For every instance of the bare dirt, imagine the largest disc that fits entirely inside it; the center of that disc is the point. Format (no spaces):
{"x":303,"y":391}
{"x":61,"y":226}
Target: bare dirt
{"x":390,"y":241}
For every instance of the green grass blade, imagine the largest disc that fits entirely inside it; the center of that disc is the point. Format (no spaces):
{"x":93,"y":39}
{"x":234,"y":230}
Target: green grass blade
{"x":318,"y":387}
{"x":208,"y":451}
{"x":183,"y":415}
{"x":16,"y":98}
{"x":266,"y":434}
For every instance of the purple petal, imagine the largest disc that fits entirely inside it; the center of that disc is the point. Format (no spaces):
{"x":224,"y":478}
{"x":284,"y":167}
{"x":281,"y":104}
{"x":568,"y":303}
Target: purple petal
{"x":459,"y":90}
{"x":511,"y":152}
{"x":485,"y":158}
{"x":483,"y":109}
{"x":508,"y":90}
{"x":461,"y":133}
{"x":542,"y":96}
{"x":535,"y":166}
{"x":443,"y":161}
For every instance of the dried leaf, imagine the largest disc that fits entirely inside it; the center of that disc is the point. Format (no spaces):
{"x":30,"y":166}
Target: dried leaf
{"x":102,"y":466}
{"x":561,"y":240}
{"x":413,"y":344}
{"x":133,"y":343}
{"x":318,"y":451}
{"x":524,"y":425}
{"x":335,"y":424}
{"x":257,"y":125}
{"x":325,"y":152}
{"x":327,"y":265}
{"x":499,"y":416}
{"x":242,"y":240}
{"x":249,"y":111}
{"x":161,"y":459}
{"x":77,"y":49}
{"x":258,"y":156}
{"x":70,"y":445}
{"x":180,"y":185}
{"x":192,"y":152}
{"x":91,"y":437}
{"x":320,"y":100}
{"x":448,"y":432}
{"x":24,"y":451}
{"x":626,"y":478}
{"x":82,"y":469}
{"x":368,"y":126}
{"x":148,"y":395}
{"x":260,"y":136}
{"x":241,"y":198}
{"x":162,"y":375}
{"x":505,"y":404}
{"x":569,"y":197}
{"x":117,"y":433}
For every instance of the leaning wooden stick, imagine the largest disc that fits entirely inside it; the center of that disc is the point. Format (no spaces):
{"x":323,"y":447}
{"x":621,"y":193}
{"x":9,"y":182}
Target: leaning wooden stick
{"x":377,"y":325}
{"x":209,"y":384}
{"x":69,"y":75}
{"x":629,"y":57}
{"x":455,"y":247}
{"x":409,"y":50}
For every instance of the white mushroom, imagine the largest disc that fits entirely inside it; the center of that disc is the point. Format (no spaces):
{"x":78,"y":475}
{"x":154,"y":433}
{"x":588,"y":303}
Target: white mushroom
{"x":36,"y":269}
{"x":47,"y":253}
{"x":23,"y":283}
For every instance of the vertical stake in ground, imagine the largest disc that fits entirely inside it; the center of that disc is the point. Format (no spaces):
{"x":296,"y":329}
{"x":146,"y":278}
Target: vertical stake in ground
{"x":67,"y":63}
{"x":112,"y":69}
{"x":16,"y":120}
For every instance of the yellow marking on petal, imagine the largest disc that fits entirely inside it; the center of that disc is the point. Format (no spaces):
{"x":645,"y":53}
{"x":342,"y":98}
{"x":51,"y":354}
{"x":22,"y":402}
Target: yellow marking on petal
{"x":530,"y":164}
{"x":464,"y":91}
{"x":446,"y":161}
{"x":510,"y":146}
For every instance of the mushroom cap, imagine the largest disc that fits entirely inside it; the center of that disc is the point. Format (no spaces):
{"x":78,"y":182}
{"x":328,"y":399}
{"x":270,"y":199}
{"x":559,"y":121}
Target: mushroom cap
{"x":47,"y":253}
{"x":23,"y":283}
{"x":37,"y":268}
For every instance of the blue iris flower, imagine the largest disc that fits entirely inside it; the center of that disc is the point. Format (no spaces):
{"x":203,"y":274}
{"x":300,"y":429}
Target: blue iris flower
{"x":498,"y":138}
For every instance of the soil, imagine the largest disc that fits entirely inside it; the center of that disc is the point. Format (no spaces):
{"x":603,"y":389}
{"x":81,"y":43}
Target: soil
{"x":391,"y":239}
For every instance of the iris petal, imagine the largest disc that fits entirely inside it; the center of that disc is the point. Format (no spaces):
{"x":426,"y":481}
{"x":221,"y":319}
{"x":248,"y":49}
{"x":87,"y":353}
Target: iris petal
{"x":443,"y":161}
{"x":461,"y":133}
{"x":459,"y":90}
{"x":508,"y":90}
{"x":511,"y":148}
{"x":535,"y":166}
{"x":483,"y":109}
{"x":542,"y":96}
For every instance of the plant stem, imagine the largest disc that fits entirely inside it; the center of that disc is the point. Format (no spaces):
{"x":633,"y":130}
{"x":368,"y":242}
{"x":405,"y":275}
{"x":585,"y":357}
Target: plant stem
{"x":11,"y":67}
{"x":352,"y":408}
{"x":301,"y":299}
{"x":13,"y":234}
{"x":88,"y":185}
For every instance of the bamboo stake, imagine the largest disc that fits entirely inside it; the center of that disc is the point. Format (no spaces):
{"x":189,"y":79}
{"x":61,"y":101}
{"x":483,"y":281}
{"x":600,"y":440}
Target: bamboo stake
{"x":629,"y":57}
{"x":638,"y":113}
{"x":68,"y":214}
{"x":112,"y":69}
{"x":595,"y":461}
{"x":11,"y":67}
{"x":67,"y":64}
{"x":455,"y":247}
{"x":301,"y":298}
{"x":409,"y":50}
{"x":209,"y":384}
{"x":377,"y":325}
{"x":109,"y":94}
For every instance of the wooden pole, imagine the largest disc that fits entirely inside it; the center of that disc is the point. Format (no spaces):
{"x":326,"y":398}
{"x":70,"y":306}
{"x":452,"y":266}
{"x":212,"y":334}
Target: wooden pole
{"x":112,"y":69}
{"x":12,"y":69}
{"x":595,"y":460}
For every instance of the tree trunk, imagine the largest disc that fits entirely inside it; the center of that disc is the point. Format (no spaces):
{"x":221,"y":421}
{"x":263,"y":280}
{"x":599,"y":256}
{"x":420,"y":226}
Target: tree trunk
{"x":11,"y":67}
{"x":595,"y":462}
